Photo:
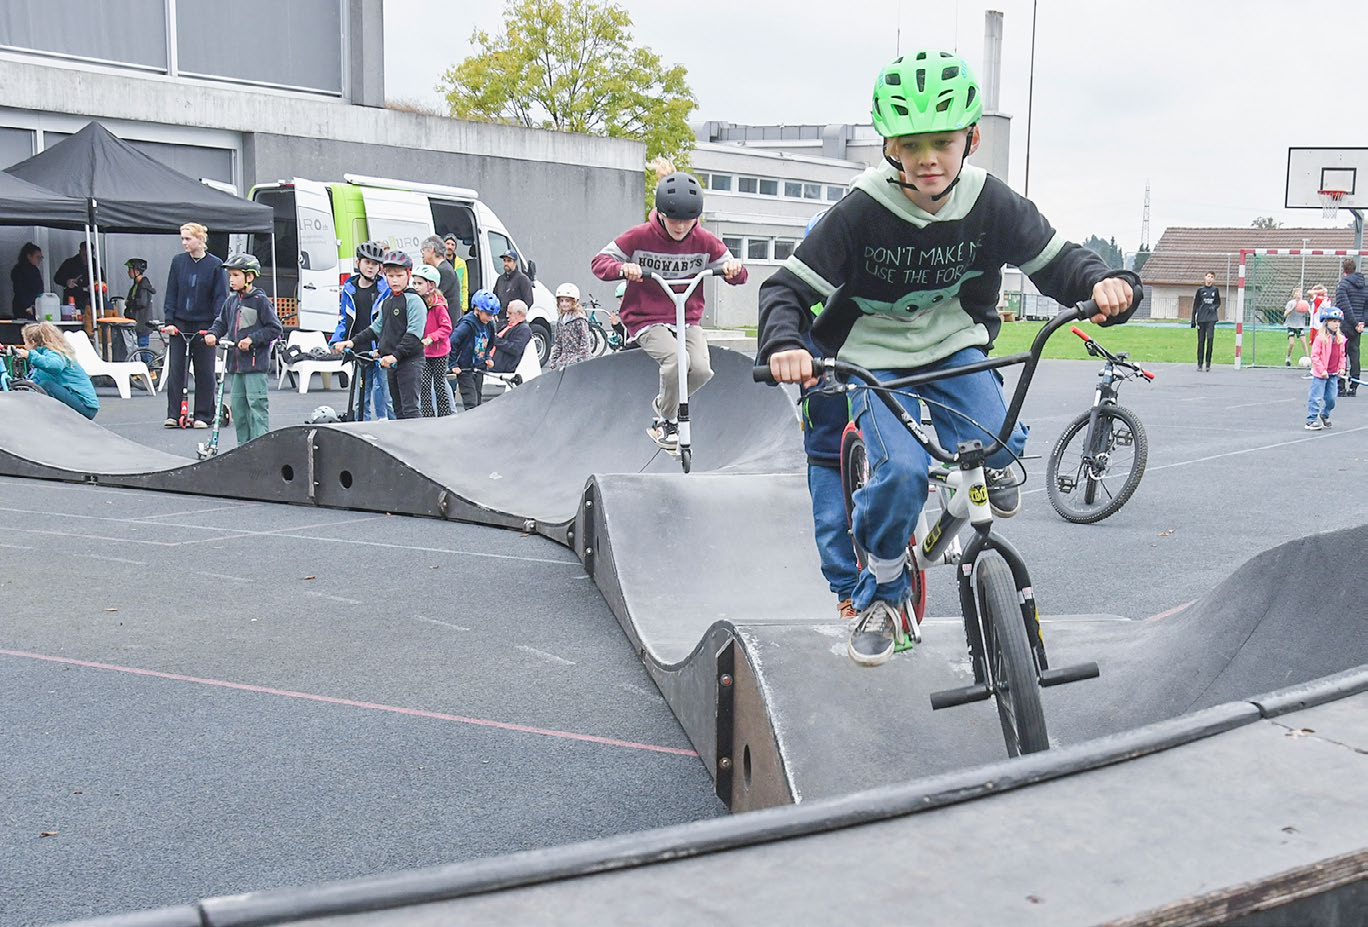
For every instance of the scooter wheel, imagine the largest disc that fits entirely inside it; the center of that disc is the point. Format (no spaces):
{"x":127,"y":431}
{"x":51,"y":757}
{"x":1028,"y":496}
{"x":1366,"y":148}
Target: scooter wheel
{"x":686,"y":458}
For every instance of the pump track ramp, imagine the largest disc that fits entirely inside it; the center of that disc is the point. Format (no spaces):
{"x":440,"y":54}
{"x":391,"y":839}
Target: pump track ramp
{"x":1182,"y":789}
{"x":745,"y":651}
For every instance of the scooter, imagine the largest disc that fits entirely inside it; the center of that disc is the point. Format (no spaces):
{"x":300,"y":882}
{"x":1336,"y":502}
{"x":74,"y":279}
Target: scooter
{"x":221,"y":414}
{"x":685,"y":451}
{"x":363,"y":368}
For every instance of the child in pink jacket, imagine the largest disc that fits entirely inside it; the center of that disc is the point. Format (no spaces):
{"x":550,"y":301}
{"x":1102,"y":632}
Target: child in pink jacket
{"x":1327,"y":366}
{"x":436,"y":342}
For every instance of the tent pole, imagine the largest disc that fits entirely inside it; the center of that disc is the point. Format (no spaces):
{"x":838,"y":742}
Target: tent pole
{"x":96,"y":292}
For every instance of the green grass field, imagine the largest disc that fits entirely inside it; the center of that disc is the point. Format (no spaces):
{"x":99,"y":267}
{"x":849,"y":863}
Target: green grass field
{"x":1146,"y":344}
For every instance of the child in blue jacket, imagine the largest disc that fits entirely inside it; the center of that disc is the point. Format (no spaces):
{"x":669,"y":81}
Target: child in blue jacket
{"x":52,"y":365}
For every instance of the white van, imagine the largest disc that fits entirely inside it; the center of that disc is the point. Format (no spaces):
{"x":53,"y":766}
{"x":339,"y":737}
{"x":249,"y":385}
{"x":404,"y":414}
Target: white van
{"x":318,"y":226}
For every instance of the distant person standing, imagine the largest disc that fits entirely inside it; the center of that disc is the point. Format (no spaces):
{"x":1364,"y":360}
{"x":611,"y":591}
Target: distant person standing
{"x":512,"y":284}
{"x":458,"y":264}
{"x":433,"y":250}
{"x":73,"y":276}
{"x":195,"y":290}
{"x":26,"y":281}
{"x":1351,"y":298}
{"x":1206,"y":310}
{"x":1297,"y":318}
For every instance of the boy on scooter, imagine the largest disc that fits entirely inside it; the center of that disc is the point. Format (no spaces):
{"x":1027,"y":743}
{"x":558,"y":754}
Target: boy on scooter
{"x":671,"y":243}
{"x":917,"y":248}
{"x":248,"y":319}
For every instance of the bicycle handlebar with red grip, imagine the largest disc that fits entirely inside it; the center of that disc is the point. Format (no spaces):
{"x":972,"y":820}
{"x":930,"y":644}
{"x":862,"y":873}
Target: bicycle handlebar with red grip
{"x":1080,"y":333}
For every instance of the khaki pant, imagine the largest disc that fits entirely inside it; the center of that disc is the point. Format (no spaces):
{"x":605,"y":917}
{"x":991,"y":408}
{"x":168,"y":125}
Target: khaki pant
{"x":659,"y":342}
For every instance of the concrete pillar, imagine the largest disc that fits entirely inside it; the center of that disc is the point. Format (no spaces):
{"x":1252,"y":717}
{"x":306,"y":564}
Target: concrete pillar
{"x":366,"y":52}
{"x":992,"y":59}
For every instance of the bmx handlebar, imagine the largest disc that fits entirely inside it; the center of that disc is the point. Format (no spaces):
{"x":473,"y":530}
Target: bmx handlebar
{"x":885,"y":388}
{"x":1096,"y":349}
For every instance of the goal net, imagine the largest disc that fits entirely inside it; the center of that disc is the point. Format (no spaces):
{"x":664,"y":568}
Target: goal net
{"x":1268,"y":277}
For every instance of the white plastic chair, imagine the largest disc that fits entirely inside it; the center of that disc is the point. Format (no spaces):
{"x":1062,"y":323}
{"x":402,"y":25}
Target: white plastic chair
{"x":529,"y":368}
{"x":304,"y":369}
{"x":95,"y":366}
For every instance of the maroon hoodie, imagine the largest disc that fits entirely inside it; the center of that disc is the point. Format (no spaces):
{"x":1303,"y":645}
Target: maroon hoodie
{"x":649,"y":245}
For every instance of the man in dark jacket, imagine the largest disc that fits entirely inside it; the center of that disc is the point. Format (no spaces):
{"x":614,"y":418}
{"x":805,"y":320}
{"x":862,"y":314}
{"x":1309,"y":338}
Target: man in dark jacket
{"x":512,"y":284}
{"x":73,"y":276}
{"x":195,"y":290}
{"x":511,"y":341}
{"x":1206,"y":310}
{"x":434,"y":252}
{"x":1351,"y":298}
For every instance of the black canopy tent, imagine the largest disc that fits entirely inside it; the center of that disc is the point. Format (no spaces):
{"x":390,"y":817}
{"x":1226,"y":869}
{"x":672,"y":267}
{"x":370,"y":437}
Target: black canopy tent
{"x":22,"y":203}
{"x":123,"y":190}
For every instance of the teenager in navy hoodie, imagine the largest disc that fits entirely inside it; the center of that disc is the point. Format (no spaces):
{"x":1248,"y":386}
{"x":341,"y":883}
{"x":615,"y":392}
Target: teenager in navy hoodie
{"x":195,"y":290}
{"x":672,"y":244}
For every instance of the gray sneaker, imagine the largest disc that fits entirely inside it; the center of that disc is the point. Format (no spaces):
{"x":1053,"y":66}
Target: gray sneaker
{"x":874,"y":634}
{"x":1314,"y":424}
{"x":1004,"y":493}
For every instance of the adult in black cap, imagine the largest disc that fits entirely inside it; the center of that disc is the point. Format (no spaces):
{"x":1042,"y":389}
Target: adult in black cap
{"x":511,"y":284}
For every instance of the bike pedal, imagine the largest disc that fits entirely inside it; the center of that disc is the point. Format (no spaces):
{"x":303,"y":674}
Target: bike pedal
{"x":949,"y":698}
{"x":1067,"y":674}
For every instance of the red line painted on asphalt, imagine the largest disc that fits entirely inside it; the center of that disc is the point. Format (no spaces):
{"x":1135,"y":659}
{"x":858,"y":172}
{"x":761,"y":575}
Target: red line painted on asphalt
{"x":352,"y":703}
{"x":1171,"y":612}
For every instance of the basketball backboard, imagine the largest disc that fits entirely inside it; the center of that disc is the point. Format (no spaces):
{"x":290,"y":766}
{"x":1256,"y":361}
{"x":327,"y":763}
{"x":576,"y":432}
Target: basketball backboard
{"x":1310,"y":170}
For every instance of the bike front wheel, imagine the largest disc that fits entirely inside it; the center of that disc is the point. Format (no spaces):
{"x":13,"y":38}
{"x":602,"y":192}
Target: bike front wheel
{"x":1085,"y":487}
{"x":1008,"y":658}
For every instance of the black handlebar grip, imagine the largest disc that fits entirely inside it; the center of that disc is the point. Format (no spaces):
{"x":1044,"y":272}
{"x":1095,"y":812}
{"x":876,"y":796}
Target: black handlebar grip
{"x":760,"y":373}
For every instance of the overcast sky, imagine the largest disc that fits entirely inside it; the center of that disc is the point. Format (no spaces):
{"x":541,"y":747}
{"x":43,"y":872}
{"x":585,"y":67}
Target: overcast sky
{"x":1201,"y":98}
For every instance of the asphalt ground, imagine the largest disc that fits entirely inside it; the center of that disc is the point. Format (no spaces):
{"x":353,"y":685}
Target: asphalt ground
{"x":203,"y":697}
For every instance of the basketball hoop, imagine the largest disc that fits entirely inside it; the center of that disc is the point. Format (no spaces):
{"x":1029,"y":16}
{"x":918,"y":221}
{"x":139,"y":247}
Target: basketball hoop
{"x":1330,"y":202}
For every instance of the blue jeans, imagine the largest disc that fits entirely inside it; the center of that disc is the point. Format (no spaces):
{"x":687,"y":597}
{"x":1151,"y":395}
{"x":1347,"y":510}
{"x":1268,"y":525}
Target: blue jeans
{"x":886,"y":509}
{"x":375,"y":399}
{"x":1321,"y":400}
{"x":829,"y":520}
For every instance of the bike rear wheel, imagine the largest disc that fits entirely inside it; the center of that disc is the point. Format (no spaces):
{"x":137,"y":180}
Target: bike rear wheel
{"x":854,"y":475}
{"x":599,"y":339}
{"x":1007,"y":653}
{"x":1083,"y":492}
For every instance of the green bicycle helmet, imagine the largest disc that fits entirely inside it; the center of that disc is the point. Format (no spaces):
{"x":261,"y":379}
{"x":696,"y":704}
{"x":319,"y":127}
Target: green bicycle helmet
{"x":245,"y":263}
{"x":927,"y":91}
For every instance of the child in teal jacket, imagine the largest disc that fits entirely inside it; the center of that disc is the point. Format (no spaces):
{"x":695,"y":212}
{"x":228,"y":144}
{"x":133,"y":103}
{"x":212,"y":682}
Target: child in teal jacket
{"x":52,"y":365}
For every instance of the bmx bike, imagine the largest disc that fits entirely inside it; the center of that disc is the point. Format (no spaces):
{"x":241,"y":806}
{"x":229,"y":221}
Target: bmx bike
{"x":997,"y":601}
{"x":1099,"y":460}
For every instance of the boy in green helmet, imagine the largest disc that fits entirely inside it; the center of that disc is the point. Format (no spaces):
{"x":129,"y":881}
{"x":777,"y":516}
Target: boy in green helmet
{"x":918,"y":247}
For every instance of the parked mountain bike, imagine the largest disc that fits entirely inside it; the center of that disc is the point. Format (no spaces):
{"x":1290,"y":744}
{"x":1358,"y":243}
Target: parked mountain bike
{"x":13,"y":378}
{"x":605,"y":337}
{"x":1098,"y":461}
{"x":997,"y":601}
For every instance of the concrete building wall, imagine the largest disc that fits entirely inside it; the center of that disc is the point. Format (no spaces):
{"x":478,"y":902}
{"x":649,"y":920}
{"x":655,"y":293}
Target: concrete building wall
{"x":562,"y":196}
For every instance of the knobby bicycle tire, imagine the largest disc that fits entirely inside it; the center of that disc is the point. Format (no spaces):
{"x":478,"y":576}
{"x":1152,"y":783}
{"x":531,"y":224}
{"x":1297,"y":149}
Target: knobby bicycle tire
{"x":1007,"y":652}
{"x":1108,"y":418}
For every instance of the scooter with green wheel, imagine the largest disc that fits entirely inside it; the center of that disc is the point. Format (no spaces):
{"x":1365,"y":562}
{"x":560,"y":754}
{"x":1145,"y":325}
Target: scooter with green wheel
{"x":221,"y":414}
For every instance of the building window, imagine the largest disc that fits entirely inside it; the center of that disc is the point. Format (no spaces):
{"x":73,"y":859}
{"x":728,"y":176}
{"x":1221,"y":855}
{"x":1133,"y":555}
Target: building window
{"x":757,"y":249}
{"x":783,"y":247}
{"x":746,"y":184}
{"x":737,"y":246}
{"x":835,"y":193}
{"x":769,"y":187}
{"x":721,"y":182}
{"x":812,"y":191}
{"x":793,"y":188}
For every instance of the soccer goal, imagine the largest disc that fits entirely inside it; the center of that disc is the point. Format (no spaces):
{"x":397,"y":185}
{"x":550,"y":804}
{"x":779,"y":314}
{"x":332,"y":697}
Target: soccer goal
{"x":1266,"y":280}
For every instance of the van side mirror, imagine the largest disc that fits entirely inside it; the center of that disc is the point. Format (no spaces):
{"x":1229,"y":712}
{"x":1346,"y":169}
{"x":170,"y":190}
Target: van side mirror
{"x":532,"y":270}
